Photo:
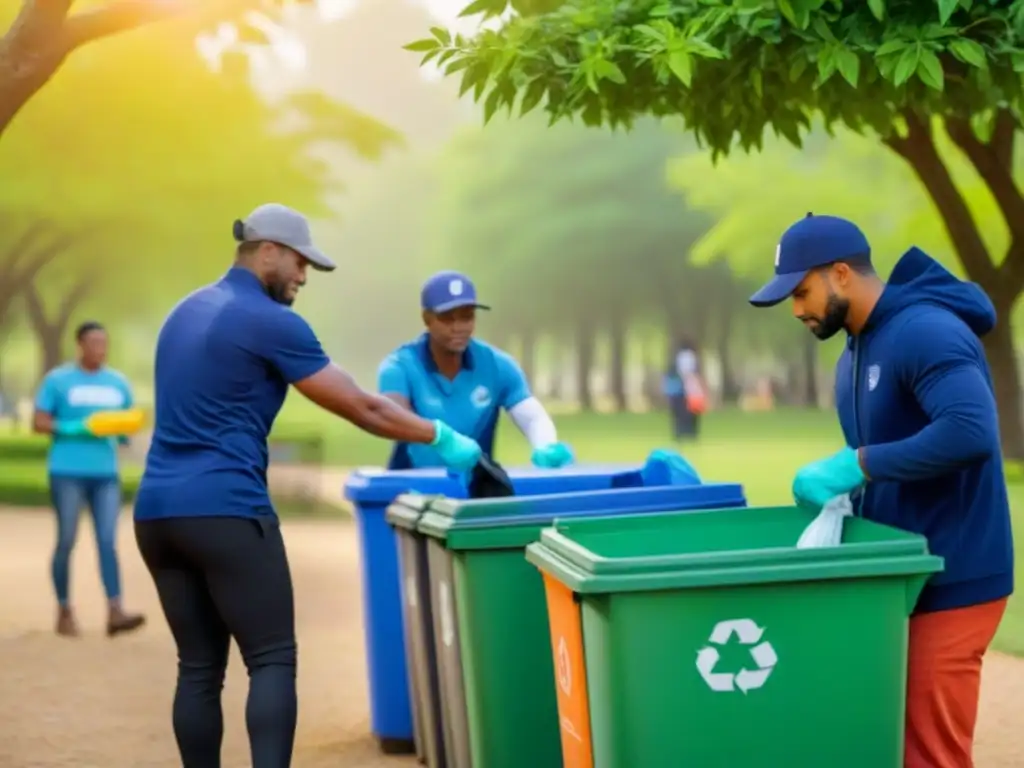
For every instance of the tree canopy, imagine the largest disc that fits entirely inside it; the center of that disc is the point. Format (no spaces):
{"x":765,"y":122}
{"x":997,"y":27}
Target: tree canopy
{"x":120,"y":194}
{"x":900,"y":71}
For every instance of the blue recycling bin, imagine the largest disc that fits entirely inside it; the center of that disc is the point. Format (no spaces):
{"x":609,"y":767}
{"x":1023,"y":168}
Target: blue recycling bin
{"x":371,"y":490}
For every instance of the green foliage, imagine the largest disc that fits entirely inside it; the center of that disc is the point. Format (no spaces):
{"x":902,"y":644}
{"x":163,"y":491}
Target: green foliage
{"x":554,"y":222}
{"x":733,"y":69}
{"x":145,"y":179}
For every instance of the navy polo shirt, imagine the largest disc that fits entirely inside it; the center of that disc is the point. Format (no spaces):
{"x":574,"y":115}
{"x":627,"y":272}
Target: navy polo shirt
{"x":224,"y":359}
{"x":470,"y":403}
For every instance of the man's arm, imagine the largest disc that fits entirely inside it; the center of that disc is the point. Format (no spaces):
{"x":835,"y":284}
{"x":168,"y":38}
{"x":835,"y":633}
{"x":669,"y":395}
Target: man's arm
{"x":393,"y":383}
{"x":940,"y":363}
{"x":525,"y":410}
{"x":293,"y":348}
{"x":334,"y":390}
{"x":45,"y":406}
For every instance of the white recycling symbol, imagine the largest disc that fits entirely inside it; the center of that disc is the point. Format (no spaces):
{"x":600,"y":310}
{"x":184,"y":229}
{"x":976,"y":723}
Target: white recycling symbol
{"x":762,"y":653}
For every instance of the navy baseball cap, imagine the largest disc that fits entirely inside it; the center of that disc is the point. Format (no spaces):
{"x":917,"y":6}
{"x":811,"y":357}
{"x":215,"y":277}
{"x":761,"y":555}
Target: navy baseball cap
{"x":814,"y":241}
{"x":449,"y":290}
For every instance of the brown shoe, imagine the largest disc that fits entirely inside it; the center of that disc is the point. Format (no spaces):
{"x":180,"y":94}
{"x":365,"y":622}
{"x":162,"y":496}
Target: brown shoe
{"x":119,"y":622}
{"x":67,"y":625}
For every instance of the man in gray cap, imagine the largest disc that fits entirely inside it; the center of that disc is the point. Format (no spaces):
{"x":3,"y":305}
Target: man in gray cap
{"x":279,"y":237}
{"x":204,"y":521}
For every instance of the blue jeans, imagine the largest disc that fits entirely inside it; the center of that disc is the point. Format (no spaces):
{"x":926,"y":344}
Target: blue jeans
{"x":103,"y":496}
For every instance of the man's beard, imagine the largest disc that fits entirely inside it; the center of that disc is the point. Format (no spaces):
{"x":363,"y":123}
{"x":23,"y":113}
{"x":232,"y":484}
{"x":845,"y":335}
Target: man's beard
{"x":836,"y":312}
{"x":279,"y":293}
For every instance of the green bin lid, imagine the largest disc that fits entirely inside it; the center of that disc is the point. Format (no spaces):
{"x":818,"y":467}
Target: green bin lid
{"x":719,"y":548}
{"x":405,"y":511}
{"x":516,"y":521}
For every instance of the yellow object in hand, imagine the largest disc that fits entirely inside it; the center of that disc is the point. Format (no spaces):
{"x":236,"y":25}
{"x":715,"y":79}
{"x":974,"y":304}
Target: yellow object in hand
{"x":116,"y":423}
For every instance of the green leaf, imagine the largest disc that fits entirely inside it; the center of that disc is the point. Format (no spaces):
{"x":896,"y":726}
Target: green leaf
{"x":419,"y":46}
{"x":492,"y":104}
{"x":682,"y":66}
{"x":848,"y":64}
{"x":443,"y":35}
{"x":429,"y":55}
{"x":929,"y":70}
{"x":891,"y":46}
{"x":877,"y":8}
{"x":477,"y":6}
{"x":907,"y":65}
{"x":826,"y":63}
{"x":946,"y":8}
{"x":821,"y":27}
{"x":1017,"y":59}
{"x":531,"y":97}
{"x":797,"y":68}
{"x":969,"y":52}
{"x":609,"y":70}
{"x":648,"y":31}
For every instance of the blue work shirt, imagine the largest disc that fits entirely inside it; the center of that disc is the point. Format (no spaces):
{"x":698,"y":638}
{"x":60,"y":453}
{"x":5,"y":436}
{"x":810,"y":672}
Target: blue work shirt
{"x":470,"y":403}
{"x":70,"y":393}
{"x":224,"y":359}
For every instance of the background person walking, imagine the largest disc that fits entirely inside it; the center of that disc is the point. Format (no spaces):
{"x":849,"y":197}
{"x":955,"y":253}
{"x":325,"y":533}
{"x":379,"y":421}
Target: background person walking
{"x":83,"y":470}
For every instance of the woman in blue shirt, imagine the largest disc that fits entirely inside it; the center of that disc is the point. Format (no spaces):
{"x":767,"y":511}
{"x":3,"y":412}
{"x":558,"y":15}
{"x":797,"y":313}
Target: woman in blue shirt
{"x":83,"y":469}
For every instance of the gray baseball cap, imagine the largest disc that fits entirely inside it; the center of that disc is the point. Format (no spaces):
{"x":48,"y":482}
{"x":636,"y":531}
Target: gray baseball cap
{"x":285,"y":226}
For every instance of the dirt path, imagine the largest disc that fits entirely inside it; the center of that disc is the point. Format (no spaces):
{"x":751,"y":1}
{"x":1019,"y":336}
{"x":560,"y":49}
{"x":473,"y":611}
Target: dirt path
{"x":94,"y":703}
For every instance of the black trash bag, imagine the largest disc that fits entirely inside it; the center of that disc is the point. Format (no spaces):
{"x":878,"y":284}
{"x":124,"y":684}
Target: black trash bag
{"x":489,"y":481}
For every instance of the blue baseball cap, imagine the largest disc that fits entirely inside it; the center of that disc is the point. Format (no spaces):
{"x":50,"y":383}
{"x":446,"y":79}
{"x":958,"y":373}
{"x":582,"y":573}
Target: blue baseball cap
{"x":449,"y":290}
{"x":814,"y":241}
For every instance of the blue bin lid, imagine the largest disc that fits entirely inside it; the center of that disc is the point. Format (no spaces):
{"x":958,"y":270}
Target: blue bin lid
{"x":543,"y":510}
{"x":372,"y":485}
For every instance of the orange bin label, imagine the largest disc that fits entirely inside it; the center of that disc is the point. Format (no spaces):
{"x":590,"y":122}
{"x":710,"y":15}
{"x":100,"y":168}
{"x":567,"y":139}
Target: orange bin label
{"x":566,"y":627}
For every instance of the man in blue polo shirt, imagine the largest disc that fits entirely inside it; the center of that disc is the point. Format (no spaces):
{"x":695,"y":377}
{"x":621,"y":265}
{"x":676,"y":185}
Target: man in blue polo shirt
{"x":203,"y":518}
{"x":917,"y":408}
{"x":447,"y":374}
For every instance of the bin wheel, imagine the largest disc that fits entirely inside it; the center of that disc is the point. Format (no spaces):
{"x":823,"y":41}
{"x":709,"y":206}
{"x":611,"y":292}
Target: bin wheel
{"x":397,"y":746}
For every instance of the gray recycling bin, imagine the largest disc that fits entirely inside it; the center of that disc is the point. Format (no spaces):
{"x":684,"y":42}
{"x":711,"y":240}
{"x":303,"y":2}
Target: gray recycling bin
{"x":424,"y":687}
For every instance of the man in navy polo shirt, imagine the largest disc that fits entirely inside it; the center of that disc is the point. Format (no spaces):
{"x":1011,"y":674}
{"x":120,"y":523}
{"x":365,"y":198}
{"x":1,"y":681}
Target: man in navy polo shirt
{"x":447,"y":374}
{"x":203,"y":519}
{"x":918,"y":411}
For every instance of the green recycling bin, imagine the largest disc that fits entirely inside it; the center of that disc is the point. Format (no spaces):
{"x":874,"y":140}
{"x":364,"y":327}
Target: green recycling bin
{"x":708,"y":640}
{"x":490,"y":620}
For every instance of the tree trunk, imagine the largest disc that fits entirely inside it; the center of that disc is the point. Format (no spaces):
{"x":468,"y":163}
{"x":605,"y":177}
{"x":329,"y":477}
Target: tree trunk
{"x":617,"y":361}
{"x":993,"y":160}
{"x":584,"y":363}
{"x":810,"y":377}
{"x":50,"y":333}
{"x":43,"y":35}
{"x":1002,"y":360}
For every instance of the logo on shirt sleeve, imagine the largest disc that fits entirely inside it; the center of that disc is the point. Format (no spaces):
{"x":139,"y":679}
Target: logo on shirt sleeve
{"x":481,"y":397}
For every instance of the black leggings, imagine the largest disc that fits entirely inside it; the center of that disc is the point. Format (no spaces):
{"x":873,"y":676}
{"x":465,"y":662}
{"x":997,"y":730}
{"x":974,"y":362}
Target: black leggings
{"x":218,"y":578}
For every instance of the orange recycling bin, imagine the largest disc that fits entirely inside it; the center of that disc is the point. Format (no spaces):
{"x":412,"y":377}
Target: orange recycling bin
{"x":566,"y":627}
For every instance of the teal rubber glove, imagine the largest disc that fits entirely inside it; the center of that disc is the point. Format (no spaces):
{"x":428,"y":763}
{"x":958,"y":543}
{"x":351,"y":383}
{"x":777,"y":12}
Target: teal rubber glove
{"x":820,"y":481}
{"x":457,"y":451}
{"x":552,"y":456}
{"x":71,"y":428}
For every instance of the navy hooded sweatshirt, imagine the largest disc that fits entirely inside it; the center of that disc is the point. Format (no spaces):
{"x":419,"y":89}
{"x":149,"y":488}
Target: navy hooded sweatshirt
{"x":914,"y":390}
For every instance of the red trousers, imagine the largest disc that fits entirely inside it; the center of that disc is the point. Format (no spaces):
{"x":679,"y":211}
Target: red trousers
{"x":944,"y":681}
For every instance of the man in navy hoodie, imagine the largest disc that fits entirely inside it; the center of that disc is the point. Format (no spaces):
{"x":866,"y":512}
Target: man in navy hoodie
{"x":916,"y":405}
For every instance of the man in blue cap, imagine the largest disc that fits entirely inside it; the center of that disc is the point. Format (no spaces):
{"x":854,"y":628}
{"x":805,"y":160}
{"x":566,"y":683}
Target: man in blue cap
{"x":464,"y":381}
{"x":916,"y":404}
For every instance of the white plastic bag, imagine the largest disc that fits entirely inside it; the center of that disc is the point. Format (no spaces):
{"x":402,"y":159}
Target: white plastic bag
{"x":826,"y":530}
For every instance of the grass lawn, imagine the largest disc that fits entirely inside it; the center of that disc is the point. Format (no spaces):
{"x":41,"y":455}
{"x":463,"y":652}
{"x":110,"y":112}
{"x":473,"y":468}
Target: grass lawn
{"x":760,"y":450}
